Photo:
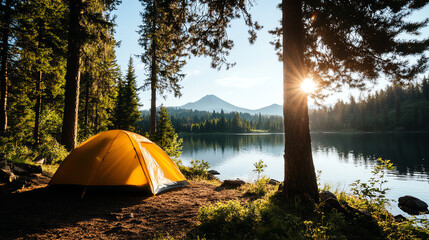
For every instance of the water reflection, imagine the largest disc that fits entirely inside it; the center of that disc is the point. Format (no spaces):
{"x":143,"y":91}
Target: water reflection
{"x":196,"y":142}
{"x":342,"y":158}
{"x":408,"y":152}
{"x":218,"y":148}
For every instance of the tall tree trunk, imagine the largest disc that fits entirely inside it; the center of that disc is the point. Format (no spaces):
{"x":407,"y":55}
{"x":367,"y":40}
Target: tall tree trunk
{"x":153,"y":108}
{"x":97,"y":118}
{"x":38,"y":106}
{"x":86,"y":105}
{"x":3,"y":70}
{"x":153,"y":77}
{"x":300,"y":177}
{"x":71,"y":104}
{"x":38,"y":109}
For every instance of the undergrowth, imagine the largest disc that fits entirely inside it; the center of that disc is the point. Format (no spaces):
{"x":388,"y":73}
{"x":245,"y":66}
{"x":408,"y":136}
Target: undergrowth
{"x":49,"y":149}
{"x":260,"y":187}
{"x":197,"y":171}
{"x":363,"y":216}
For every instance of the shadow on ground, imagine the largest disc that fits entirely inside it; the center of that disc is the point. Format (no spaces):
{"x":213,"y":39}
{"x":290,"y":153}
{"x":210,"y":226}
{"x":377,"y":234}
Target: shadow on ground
{"x":105,"y":214}
{"x":39,"y":210}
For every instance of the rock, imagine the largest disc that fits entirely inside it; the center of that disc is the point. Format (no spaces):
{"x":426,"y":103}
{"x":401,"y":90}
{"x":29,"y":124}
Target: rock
{"x":273,"y":182}
{"x":39,"y":160}
{"x":351,"y":209}
{"x":412,"y":205}
{"x":232,"y":183}
{"x":213,"y":172}
{"x":6,"y":176}
{"x":19,"y":170}
{"x":211,"y":177}
{"x":332,"y":203}
{"x":400,"y":218}
{"x":281,"y":186}
{"x":26,"y":169}
{"x":325,"y":195}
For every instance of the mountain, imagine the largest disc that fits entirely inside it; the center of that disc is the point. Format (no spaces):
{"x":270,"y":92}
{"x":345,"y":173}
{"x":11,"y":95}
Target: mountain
{"x":212,"y":103}
{"x":273,"y":109}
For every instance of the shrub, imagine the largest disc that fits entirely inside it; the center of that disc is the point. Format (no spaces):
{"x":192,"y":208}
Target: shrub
{"x":260,"y":187}
{"x":372,"y":195}
{"x":259,"y":167}
{"x":230,"y":220}
{"x":15,"y":152}
{"x":197,"y":170}
{"x":51,"y":150}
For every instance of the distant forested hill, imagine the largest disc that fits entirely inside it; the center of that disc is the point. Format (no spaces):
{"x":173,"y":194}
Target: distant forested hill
{"x":393,"y":109}
{"x":194,"y":121}
{"x":396,"y":108}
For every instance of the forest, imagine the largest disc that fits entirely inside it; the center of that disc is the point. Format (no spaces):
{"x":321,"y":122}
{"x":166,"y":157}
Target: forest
{"x":194,"y":121}
{"x":35,"y":52}
{"x":396,"y":108}
{"x":60,"y":82}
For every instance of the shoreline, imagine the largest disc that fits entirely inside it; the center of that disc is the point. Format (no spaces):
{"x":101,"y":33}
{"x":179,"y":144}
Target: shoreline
{"x":311,"y":132}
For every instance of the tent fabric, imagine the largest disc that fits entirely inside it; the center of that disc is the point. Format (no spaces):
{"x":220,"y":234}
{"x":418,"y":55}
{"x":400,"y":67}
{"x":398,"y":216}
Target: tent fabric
{"x":119,"y":158}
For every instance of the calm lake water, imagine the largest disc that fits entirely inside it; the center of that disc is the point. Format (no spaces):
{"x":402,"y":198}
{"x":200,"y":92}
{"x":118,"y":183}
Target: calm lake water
{"x":342,"y":158}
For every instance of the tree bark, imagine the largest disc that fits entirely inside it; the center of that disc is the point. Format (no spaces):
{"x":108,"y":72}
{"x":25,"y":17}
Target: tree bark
{"x":153,"y":77}
{"x":3,"y":70}
{"x":38,"y":109}
{"x":71,"y":104}
{"x":39,"y":75}
{"x":300,"y":177}
{"x":86,"y":105}
{"x":153,"y":108}
{"x":97,"y":118}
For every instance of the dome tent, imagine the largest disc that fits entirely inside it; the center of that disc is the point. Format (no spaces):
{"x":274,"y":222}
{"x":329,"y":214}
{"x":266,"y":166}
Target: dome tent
{"x":119,"y":158}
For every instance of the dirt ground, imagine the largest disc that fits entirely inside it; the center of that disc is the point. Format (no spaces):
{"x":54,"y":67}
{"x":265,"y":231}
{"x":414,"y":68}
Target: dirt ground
{"x":40,"y":213}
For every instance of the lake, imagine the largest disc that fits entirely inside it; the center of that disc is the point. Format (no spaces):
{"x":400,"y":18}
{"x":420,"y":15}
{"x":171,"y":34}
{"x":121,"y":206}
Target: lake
{"x":342,"y":158}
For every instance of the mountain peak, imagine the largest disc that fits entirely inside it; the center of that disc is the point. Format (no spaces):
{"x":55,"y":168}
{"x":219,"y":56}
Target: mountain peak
{"x":210,"y":96}
{"x":212,"y":103}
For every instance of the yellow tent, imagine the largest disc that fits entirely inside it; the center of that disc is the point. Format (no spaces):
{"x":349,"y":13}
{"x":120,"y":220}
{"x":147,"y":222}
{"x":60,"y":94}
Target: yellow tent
{"x":119,"y":158}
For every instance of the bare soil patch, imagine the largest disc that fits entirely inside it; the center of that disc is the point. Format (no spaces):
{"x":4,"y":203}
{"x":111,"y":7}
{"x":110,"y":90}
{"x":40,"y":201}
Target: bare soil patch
{"x":41,"y":213}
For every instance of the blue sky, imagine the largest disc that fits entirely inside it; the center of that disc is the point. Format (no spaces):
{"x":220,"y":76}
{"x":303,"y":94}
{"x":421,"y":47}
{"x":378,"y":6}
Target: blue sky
{"x":255,"y":81}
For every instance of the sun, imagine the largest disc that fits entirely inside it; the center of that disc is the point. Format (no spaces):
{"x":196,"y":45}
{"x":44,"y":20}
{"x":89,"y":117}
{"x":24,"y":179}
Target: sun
{"x":308,"y":85}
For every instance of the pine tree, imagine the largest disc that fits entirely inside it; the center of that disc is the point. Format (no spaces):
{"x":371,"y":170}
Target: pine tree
{"x":99,"y":74}
{"x":41,"y":45}
{"x":166,"y":137}
{"x":236,"y":123}
{"x":120,"y":106}
{"x":161,"y":37}
{"x":425,"y":88}
{"x":82,"y":14}
{"x":175,"y":29}
{"x":127,"y":101}
{"x":131,"y":98}
{"x":7,"y":8}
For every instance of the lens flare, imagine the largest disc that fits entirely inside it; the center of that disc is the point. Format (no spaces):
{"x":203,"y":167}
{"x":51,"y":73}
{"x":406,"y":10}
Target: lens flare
{"x":308,"y":85}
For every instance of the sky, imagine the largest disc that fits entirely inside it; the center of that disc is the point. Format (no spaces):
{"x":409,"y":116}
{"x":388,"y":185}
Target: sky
{"x":254,"y":82}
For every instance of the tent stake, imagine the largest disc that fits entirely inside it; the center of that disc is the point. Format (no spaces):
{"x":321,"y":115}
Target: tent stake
{"x":84,"y":190}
